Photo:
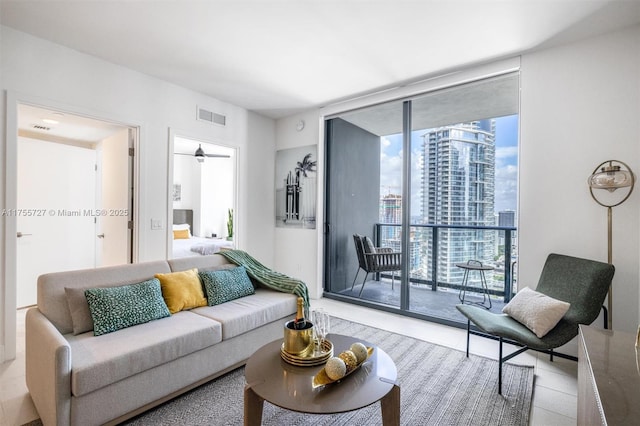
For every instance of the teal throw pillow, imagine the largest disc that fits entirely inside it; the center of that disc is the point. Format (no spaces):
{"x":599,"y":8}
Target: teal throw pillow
{"x":114,"y":308}
{"x":226,"y":284}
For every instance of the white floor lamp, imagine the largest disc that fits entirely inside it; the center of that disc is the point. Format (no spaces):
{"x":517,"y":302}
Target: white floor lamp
{"x":611,"y":175}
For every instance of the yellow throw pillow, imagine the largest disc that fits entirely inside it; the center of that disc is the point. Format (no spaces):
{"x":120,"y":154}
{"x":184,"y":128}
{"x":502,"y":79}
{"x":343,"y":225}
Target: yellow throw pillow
{"x":181,"y":234}
{"x":182,"y":290}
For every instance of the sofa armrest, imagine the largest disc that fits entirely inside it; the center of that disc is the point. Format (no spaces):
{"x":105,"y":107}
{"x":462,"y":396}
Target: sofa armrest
{"x":48,"y":369}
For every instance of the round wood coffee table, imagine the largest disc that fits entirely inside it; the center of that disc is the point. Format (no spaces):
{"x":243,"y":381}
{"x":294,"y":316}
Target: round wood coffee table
{"x":270,"y":378}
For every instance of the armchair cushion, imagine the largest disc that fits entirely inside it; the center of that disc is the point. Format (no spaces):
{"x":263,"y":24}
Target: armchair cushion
{"x":538,"y":312}
{"x":368,"y":245}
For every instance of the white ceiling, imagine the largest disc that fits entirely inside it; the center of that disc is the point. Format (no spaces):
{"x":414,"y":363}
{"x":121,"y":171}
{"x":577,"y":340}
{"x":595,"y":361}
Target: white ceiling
{"x":278,"y":57}
{"x":36,"y":120}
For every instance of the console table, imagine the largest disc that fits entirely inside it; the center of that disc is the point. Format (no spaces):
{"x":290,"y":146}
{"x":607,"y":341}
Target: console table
{"x":608,"y":377}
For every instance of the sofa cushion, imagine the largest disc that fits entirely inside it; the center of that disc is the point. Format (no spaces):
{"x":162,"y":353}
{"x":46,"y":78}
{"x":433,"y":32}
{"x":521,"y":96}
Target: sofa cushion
{"x":225,"y":285}
{"x":115,"y":308}
{"x":79,"y":309}
{"x":246,"y":313}
{"x":182,"y":290}
{"x":101,"y":361}
{"x":202,"y":263}
{"x":54,"y":303}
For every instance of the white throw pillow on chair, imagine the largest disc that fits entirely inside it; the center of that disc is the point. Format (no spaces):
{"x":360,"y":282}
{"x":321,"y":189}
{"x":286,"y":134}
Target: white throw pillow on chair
{"x":537,"y":311}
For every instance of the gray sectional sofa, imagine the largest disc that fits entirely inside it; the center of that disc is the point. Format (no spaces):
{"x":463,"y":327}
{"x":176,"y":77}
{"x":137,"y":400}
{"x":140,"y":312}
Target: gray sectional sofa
{"x":82,"y":379}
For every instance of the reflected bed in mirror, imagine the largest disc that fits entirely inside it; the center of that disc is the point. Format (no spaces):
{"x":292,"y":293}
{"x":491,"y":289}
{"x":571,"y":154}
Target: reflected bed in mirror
{"x":185,"y":244}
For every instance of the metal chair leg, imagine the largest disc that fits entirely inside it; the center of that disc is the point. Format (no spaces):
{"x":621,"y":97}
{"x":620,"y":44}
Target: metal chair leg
{"x":354,"y":279}
{"x":468,"y":332}
{"x":362,"y":288}
{"x":500,"y":369}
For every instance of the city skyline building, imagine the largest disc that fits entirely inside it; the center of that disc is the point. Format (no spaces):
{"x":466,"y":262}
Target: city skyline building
{"x":458,"y":188}
{"x":507,"y":218}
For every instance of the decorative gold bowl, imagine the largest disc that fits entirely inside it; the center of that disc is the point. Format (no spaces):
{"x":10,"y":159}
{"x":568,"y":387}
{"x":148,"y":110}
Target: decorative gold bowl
{"x":321,"y":379}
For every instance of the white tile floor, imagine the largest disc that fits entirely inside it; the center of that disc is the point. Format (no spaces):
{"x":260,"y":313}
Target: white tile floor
{"x":554,"y":396}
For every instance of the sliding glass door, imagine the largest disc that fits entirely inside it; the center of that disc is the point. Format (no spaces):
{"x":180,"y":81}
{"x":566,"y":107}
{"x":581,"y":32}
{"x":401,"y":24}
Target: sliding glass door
{"x":364,"y":180}
{"x":433,"y":178}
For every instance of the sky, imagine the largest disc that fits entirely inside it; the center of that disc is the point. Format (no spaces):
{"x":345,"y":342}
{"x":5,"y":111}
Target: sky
{"x":506,"y":173}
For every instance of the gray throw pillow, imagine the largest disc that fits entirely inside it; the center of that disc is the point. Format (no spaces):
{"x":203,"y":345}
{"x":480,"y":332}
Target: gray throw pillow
{"x":79,"y":309}
{"x":225,"y":285}
{"x":115,"y":308}
{"x":368,"y":245}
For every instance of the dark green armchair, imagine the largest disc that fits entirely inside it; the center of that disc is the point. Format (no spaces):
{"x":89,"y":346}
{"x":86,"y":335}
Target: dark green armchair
{"x":581,"y":282}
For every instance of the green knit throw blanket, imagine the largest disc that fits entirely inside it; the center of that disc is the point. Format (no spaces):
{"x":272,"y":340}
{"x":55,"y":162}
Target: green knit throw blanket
{"x":270,"y":278}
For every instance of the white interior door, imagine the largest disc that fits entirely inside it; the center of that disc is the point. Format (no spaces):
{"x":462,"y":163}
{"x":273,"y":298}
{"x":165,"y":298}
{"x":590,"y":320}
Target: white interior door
{"x":56,"y":187}
{"x":113,"y":244}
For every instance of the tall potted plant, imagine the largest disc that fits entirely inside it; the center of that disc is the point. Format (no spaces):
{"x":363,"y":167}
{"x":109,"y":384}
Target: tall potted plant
{"x":230,"y":224}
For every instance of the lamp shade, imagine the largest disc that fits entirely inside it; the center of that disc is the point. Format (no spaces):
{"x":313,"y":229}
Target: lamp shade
{"x":611,"y":178}
{"x":200,"y":154}
{"x":611,"y":175}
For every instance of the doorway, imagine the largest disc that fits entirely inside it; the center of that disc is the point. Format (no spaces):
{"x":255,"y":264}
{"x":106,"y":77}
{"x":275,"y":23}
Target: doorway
{"x":74,"y":195}
{"x":203,"y":197}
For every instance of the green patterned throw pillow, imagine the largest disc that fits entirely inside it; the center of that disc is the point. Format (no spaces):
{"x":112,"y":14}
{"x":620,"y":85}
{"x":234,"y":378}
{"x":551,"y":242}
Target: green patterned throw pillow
{"x":114,"y":308}
{"x":226,"y":284}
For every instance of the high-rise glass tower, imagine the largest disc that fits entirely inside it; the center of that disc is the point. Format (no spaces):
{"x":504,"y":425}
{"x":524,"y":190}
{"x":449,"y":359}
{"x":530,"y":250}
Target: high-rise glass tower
{"x":458,"y":185}
{"x":391,"y":213}
{"x":507,"y":218}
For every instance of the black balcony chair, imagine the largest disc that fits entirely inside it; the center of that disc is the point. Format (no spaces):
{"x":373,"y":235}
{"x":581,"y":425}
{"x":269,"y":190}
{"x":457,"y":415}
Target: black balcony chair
{"x":374,"y":259}
{"x":581,"y":282}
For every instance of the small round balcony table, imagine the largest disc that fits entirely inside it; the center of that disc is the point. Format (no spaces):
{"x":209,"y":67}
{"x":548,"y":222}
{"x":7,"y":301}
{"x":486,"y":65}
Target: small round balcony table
{"x":269,"y":378}
{"x":474,"y":265}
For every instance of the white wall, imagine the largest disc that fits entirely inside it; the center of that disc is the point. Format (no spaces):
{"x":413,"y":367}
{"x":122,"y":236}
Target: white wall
{"x":217,"y":195}
{"x":580,"y":106}
{"x":187,"y":173}
{"x":62,"y":78}
{"x":298,"y":251}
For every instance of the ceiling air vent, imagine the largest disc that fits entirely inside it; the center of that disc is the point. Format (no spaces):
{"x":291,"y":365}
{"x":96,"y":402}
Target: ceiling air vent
{"x":211,"y":117}
{"x":39,"y":127}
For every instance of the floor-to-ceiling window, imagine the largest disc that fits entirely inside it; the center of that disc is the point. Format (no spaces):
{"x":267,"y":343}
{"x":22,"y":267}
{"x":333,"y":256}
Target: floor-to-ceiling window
{"x":433,"y":177}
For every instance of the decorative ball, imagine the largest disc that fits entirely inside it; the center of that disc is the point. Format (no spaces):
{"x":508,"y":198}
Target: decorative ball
{"x":360,"y":351}
{"x":349,"y":359}
{"x":335,"y":368}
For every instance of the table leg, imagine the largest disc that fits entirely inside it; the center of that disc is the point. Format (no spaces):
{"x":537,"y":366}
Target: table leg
{"x":252,"y":407}
{"x":390,"y":404}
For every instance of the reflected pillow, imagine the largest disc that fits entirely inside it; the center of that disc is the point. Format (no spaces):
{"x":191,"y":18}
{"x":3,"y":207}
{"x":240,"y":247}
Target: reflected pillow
{"x":182,"y":290}
{"x":182,"y":234}
{"x":536,"y":311}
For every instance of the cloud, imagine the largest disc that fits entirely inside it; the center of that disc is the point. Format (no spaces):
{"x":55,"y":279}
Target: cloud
{"x":506,"y":175}
{"x":506,"y":152}
{"x":506,"y":188}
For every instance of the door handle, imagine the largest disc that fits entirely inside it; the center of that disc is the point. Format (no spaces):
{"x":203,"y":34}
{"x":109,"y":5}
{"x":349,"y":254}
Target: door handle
{"x":101,"y":235}
{"x":20,"y":234}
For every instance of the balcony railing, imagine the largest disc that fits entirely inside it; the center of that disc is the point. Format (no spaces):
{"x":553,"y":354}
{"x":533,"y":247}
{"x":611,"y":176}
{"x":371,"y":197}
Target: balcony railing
{"x":435,"y":249}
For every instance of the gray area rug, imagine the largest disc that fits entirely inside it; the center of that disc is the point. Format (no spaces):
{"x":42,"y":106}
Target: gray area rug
{"x":438,"y":385}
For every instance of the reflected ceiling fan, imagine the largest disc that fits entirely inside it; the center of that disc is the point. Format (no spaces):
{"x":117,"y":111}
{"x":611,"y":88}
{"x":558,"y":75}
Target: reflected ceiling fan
{"x":201,"y":155}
